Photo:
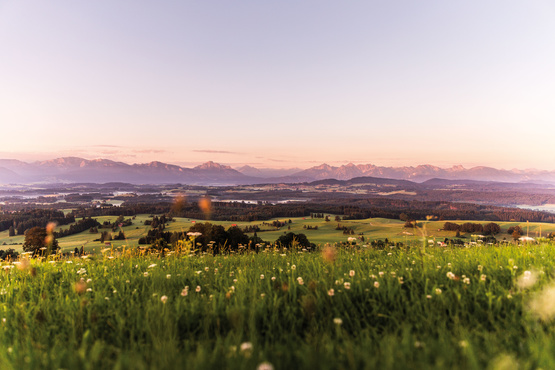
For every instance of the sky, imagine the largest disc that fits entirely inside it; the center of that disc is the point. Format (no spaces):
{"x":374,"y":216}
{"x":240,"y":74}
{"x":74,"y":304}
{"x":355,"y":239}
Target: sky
{"x":280,"y":84}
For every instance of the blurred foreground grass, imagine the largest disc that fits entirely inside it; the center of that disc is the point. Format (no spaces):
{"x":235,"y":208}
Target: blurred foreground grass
{"x":471,"y":308}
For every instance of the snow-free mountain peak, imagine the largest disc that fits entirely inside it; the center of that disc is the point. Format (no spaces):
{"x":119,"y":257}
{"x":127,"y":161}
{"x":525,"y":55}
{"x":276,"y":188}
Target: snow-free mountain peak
{"x":212,"y":166}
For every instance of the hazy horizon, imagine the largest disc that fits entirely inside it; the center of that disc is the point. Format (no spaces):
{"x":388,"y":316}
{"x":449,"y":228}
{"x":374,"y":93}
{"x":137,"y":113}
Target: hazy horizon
{"x":280,"y":85}
{"x":277,"y":168}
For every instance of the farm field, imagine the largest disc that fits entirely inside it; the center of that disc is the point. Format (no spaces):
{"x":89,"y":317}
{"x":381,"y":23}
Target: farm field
{"x":355,"y":308}
{"x":373,"y":228}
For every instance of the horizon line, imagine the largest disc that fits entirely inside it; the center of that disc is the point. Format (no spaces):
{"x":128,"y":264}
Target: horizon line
{"x":235,"y":166}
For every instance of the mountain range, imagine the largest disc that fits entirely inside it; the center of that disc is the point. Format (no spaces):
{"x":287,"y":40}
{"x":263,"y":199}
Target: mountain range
{"x":74,"y":170}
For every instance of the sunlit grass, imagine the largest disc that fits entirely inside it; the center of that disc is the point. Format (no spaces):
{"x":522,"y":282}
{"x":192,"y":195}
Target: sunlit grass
{"x":372,"y":228}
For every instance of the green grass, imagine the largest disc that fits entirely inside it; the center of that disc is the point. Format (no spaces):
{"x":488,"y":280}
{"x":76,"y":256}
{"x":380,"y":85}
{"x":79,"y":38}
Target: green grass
{"x":123,"y":323}
{"x":373,"y":228}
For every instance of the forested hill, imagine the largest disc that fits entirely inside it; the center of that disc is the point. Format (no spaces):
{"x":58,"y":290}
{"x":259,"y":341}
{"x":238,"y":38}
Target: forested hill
{"x":350,"y":208}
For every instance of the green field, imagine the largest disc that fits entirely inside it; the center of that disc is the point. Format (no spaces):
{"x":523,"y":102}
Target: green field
{"x":455,"y":308}
{"x":373,"y":228}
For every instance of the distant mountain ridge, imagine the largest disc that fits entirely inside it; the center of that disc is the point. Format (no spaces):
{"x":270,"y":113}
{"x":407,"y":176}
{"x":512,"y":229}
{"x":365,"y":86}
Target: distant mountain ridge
{"x":75,"y":169}
{"x":425,"y":172}
{"x":267,"y":172}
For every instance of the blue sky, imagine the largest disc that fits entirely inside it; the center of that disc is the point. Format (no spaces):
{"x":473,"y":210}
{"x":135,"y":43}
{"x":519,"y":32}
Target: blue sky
{"x":280,"y":84}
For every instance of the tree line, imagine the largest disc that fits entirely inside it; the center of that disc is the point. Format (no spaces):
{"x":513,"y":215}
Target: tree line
{"x":469,"y":227}
{"x":79,"y":226}
{"x":18,"y":222}
{"x":351,"y":209}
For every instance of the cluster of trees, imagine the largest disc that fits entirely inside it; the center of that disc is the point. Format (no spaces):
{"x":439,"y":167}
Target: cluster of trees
{"x":77,"y":197}
{"x":386,"y":243}
{"x":125,"y":210}
{"x":18,"y":222}
{"x":8,"y":254}
{"x":346,"y":230}
{"x":251,"y":229}
{"x":454,"y":242}
{"x":418,"y":210}
{"x":513,"y":229}
{"x":310,"y":227}
{"x":292,"y":240}
{"x":79,"y":226}
{"x":106,"y":236}
{"x":277,"y":224}
{"x":121,"y":221}
{"x":469,"y":227}
{"x":216,"y":238}
{"x":316,"y":215}
{"x":351,"y":208}
{"x":239,"y":211}
{"x":39,"y":241}
{"x":158,"y":233}
{"x":321,"y":215}
{"x":492,"y":194}
{"x":158,"y":221}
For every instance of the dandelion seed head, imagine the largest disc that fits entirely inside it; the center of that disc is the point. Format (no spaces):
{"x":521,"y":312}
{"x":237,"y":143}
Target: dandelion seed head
{"x":543,"y":304}
{"x":265,"y":366}
{"x":246,"y":348}
{"x":527,"y":279}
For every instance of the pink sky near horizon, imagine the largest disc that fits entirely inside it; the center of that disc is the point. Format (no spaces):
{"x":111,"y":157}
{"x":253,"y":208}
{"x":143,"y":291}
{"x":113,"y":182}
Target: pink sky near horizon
{"x":280,"y":85}
{"x":121,"y":156}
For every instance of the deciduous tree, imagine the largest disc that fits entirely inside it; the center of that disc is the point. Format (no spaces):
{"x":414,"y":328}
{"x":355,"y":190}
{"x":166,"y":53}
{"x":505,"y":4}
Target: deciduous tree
{"x":37,"y":238}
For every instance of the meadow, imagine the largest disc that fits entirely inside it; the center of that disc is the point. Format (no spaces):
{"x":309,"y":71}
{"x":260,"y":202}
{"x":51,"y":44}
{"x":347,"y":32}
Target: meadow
{"x":372,"y":228}
{"x":348,"y":308}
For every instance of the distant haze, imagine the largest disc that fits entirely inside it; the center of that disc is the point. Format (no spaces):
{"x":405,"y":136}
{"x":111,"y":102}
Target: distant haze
{"x":283,"y":84}
{"x":80,"y":170}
